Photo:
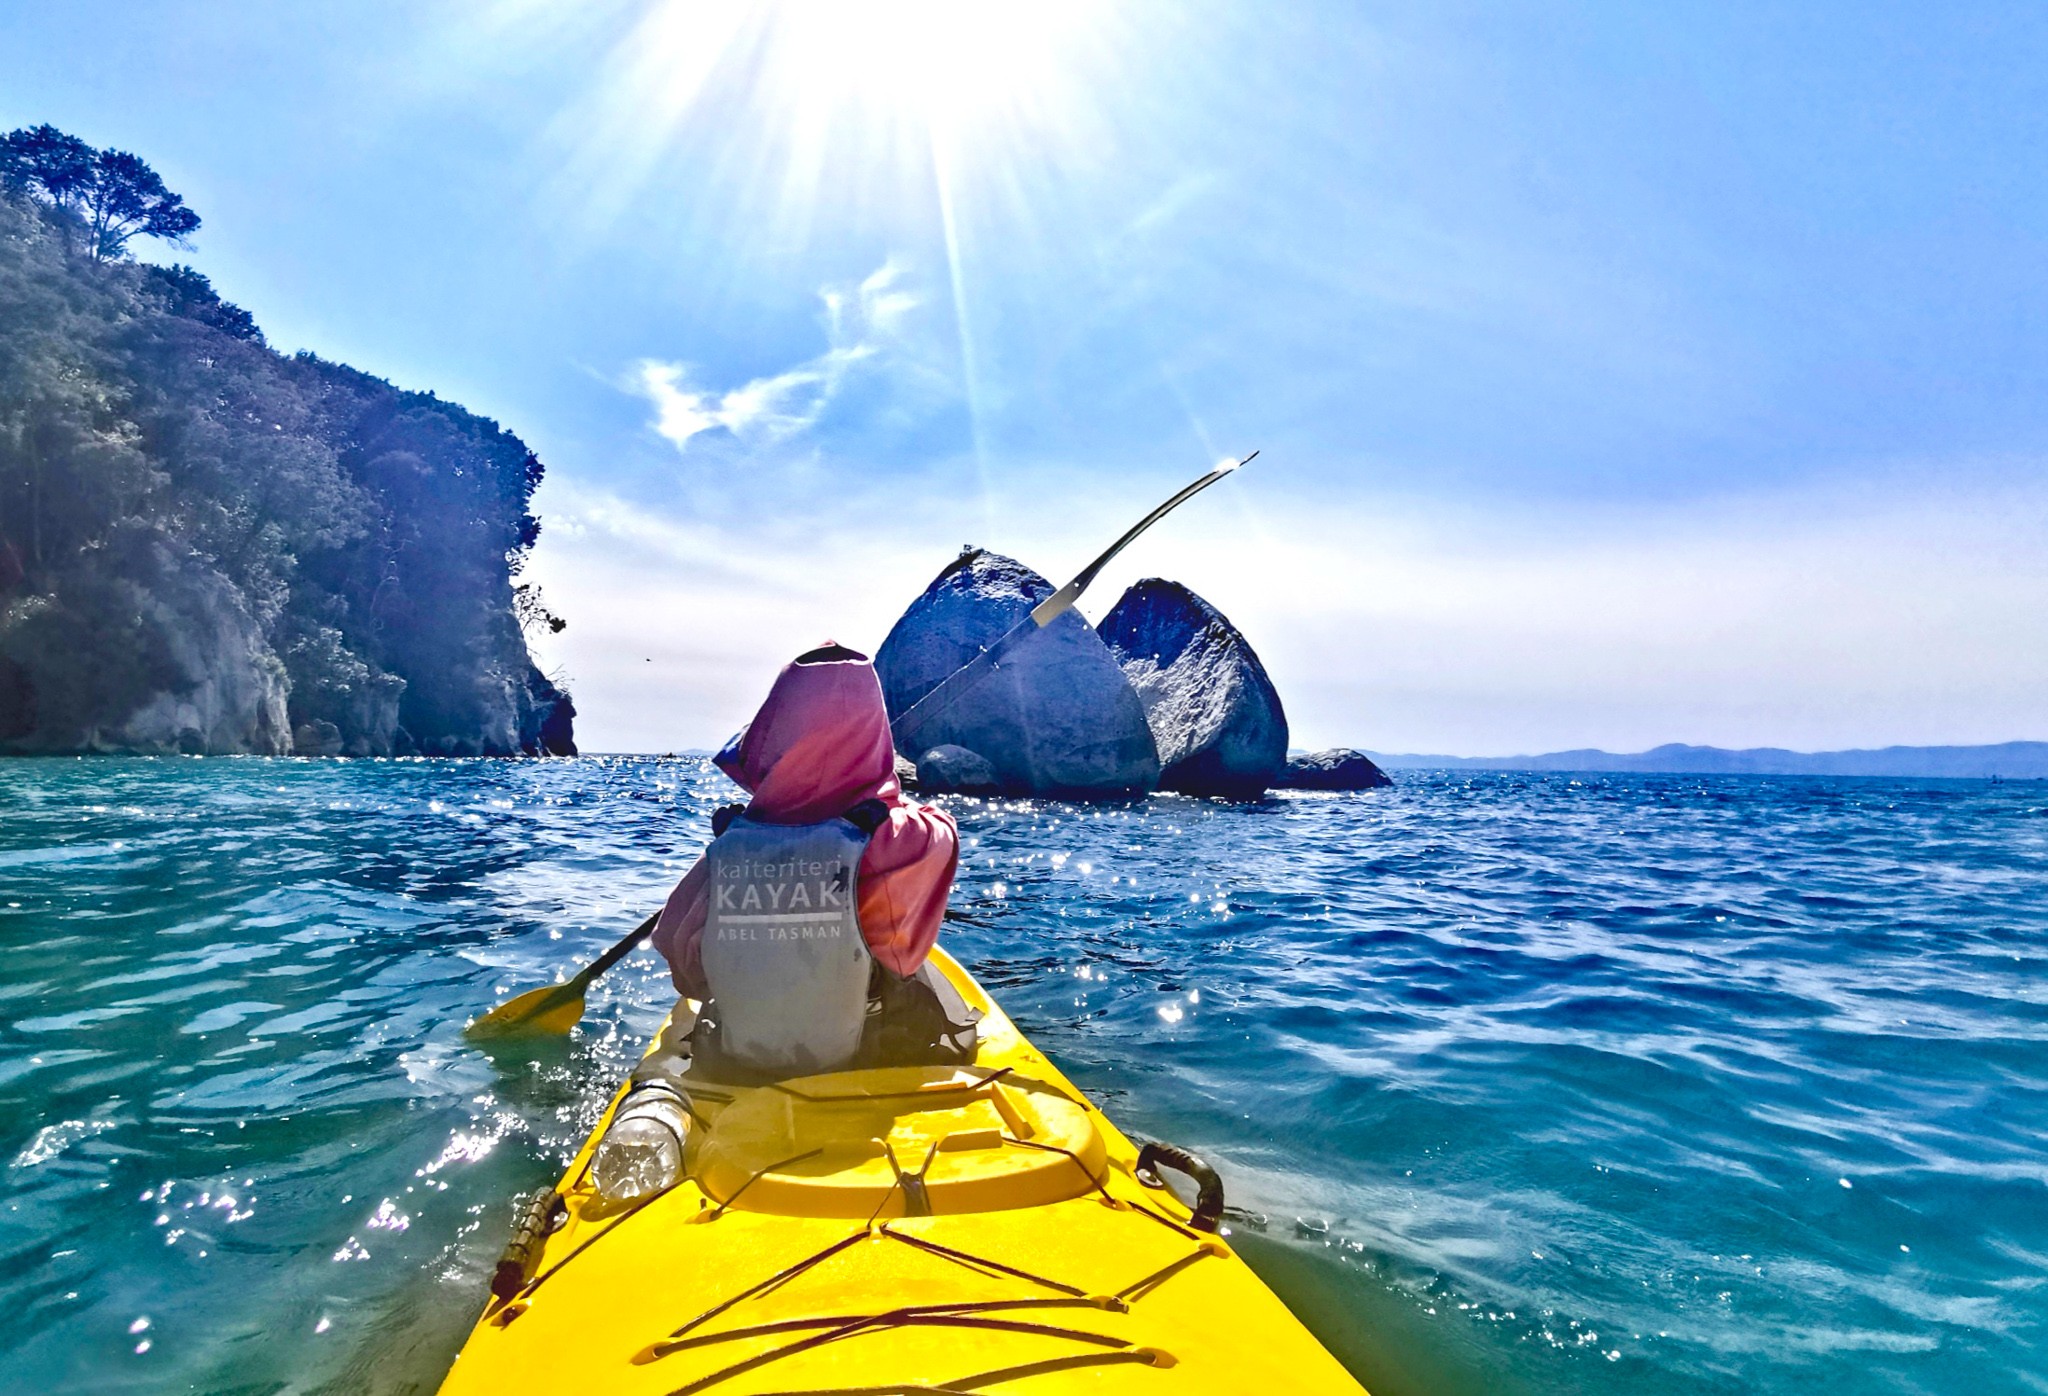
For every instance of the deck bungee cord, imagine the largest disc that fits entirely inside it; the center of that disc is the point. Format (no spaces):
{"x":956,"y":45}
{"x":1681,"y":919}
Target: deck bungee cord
{"x":956,"y":1227}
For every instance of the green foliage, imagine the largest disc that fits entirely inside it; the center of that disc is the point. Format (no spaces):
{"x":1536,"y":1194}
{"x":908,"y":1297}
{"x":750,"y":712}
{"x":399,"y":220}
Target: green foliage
{"x":188,"y":293}
{"x":322,"y":530}
{"x":532,"y":609}
{"x":103,"y":198}
{"x":43,"y":160}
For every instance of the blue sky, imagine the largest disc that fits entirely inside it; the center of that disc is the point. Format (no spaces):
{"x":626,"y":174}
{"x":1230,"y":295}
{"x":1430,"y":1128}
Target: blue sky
{"x":1622,"y":373}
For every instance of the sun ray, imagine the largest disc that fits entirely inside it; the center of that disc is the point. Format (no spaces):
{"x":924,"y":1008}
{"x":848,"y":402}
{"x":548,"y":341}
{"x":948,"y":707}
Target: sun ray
{"x":806,"y":113}
{"x":766,"y":139}
{"x":969,"y":375}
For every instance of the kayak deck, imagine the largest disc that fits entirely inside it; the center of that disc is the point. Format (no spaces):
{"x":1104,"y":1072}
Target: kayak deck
{"x":980,"y":1227}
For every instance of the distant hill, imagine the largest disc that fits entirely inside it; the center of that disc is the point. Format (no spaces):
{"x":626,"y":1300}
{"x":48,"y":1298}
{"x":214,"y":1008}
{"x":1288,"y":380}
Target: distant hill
{"x":2012,"y":760}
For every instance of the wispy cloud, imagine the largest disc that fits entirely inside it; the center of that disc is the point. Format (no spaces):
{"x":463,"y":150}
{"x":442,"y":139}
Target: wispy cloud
{"x":860,"y":321}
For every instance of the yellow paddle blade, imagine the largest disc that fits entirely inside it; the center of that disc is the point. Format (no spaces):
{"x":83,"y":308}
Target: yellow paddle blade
{"x":539,"y":1012}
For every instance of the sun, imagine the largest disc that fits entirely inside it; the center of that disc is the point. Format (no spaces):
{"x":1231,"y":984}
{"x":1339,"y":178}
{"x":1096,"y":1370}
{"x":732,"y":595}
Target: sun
{"x":950,"y":63}
{"x":764,"y":132}
{"x":802,"y":99}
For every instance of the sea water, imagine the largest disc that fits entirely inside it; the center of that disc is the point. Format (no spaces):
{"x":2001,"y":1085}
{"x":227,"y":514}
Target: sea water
{"x":1518,"y":1083}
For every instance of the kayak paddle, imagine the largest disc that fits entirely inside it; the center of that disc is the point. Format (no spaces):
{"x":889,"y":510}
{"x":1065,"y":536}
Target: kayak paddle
{"x":559,"y":1007}
{"x":948,"y":690}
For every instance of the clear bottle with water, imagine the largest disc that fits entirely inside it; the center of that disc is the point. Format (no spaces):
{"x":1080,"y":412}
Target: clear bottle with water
{"x":641,"y":1154}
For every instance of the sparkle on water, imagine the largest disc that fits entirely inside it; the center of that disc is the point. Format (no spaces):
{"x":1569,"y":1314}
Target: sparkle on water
{"x":1521,"y":1083}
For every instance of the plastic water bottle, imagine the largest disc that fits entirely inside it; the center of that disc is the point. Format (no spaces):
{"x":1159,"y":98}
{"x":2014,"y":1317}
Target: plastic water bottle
{"x":641,"y":1154}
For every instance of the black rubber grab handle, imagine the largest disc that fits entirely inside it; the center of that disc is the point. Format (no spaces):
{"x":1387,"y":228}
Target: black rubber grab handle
{"x":1209,"y":1187}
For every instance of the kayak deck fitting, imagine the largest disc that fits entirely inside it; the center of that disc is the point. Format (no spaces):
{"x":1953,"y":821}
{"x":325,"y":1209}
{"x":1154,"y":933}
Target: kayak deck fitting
{"x":979,"y":1227}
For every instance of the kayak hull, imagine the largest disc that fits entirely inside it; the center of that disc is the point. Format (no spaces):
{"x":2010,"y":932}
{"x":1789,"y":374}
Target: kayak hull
{"x":980,"y":1227}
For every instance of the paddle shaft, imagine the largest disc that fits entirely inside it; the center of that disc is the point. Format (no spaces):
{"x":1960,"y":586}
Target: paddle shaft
{"x":936,"y":700}
{"x":618,"y":952}
{"x":950,"y":689}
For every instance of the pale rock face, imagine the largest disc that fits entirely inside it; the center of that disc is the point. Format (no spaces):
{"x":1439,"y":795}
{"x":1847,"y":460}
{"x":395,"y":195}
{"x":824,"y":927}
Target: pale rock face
{"x":348,"y":699}
{"x":228,"y":690}
{"x":1215,"y":715}
{"x":1339,"y":768}
{"x":317,"y":738}
{"x":954,"y":770}
{"x":1057,"y":717}
{"x":375,"y":717}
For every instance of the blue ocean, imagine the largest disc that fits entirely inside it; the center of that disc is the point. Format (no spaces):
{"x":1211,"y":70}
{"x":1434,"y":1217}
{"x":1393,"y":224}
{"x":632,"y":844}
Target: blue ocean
{"x":1519,"y":1083}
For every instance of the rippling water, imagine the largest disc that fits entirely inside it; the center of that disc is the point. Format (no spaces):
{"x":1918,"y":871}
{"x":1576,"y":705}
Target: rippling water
{"x":1633,"y":1083}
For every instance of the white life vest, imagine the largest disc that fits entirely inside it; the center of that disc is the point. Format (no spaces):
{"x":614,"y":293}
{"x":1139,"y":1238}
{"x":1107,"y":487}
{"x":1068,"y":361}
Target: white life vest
{"x":783,"y":953}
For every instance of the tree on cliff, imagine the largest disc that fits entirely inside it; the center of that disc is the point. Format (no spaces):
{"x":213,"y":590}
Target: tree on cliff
{"x":206,"y":545}
{"x":106,"y":197}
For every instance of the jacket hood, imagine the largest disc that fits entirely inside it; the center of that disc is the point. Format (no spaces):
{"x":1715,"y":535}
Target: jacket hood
{"x":820,"y":743}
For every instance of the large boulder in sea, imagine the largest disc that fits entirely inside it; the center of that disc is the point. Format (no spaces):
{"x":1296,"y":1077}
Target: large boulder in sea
{"x":954,"y":770}
{"x":1057,"y":717}
{"x":1339,"y":768}
{"x":1215,"y":716}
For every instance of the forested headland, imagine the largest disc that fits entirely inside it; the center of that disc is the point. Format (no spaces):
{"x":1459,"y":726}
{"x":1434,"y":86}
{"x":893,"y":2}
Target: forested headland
{"x":207,"y":546}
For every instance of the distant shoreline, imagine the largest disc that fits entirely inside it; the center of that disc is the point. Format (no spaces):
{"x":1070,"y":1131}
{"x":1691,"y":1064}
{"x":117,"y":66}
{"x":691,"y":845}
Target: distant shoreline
{"x":2007,"y":760}
{"x":2014,"y":761}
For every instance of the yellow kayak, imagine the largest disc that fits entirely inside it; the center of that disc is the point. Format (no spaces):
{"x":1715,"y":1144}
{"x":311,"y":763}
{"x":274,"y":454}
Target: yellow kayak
{"x":976,"y":1227}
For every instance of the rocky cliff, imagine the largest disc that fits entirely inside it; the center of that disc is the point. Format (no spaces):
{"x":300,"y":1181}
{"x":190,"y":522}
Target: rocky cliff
{"x":207,"y":546}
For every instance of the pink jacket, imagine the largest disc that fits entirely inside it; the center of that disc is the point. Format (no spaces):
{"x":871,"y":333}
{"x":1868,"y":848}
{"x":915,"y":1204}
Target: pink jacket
{"x":819,"y":746}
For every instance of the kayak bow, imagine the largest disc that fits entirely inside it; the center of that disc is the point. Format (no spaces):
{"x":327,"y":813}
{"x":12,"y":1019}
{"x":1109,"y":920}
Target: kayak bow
{"x":973,"y":1227}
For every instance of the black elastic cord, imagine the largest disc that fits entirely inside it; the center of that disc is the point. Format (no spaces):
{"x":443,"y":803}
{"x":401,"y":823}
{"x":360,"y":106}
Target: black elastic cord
{"x":1160,"y":1276}
{"x":1038,"y":1369}
{"x":981,"y":1263}
{"x":1093,"y":1181}
{"x":624,"y":1217}
{"x":900,"y":1318}
{"x":759,"y":1174}
{"x":787,"y":1273}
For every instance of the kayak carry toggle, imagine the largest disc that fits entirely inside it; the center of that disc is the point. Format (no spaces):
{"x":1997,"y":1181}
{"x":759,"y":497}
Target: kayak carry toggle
{"x":1209,"y":1187}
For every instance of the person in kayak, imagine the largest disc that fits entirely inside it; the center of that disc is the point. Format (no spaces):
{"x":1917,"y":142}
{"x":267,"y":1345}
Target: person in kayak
{"x":826,"y":891}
